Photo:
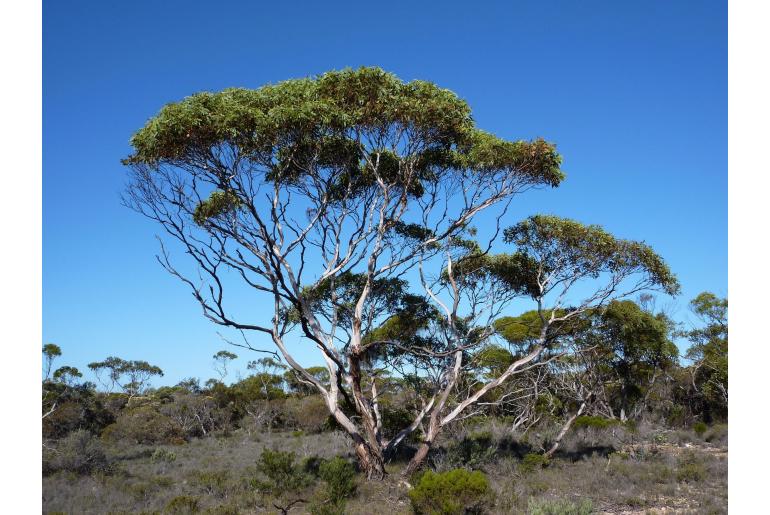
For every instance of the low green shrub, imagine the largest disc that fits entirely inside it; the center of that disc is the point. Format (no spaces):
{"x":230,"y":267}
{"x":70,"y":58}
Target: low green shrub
{"x":454,"y":492}
{"x":340,"y":478}
{"x":281,"y":473}
{"x":595,"y":422}
{"x":161,"y":455}
{"x":700,"y":428}
{"x":559,"y":507}
{"x":533,"y":461}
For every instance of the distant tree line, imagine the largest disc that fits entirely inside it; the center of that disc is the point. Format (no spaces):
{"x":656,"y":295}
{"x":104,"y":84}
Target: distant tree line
{"x":619,"y":363}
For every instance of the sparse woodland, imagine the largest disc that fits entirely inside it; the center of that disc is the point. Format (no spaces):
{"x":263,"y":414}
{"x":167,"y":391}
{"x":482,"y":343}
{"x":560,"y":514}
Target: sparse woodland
{"x":466,"y":362}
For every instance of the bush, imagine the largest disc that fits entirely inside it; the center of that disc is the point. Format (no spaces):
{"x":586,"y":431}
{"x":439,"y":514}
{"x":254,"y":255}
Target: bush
{"x":182,"y":505}
{"x":700,"y":428}
{"x":215,"y":482}
{"x":78,"y":452}
{"x":454,"y":492}
{"x":309,"y":414}
{"x":533,"y":461}
{"x":144,"y":425}
{"x":690,"y":469}
{"x":559,"y":507}
{"x":283,"y":475}
{"x":162,"y":455}
{"x":717,"y":434}
{"x":340,"y":478}
{"x":594,"y":422}
{"x":473,"y":451}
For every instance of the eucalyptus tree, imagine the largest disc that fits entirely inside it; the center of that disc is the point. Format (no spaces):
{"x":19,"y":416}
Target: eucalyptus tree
{"x":343,"y":202}
{"x":131,"y":376}
{"x":708,"y":351}
{"x":51,"y":351}
{"x":221,"y":359}
{"x":565,"y":268}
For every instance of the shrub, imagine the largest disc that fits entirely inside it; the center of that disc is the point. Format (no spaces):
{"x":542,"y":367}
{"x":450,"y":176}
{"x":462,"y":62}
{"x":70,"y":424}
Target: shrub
{"x":533,"y":461}
{"x":162,"y":455}
{"x":281,"y":473}
{"x":339,"y":484}
{"x":594,"y":422}
{"x":559,"y":507}
{"x":309,"y":414}
{"x":690,"y":469}
{"x":700,"y":428}
{"x":182,"y":505}
{"x":78,"y":452}
{"x":144,"y":425}
{"x":454,"y":492}
{"x":473,"y":451}
{"x":717,"y":434}
{"x":340,"y":478}
{"x":215,"y":482}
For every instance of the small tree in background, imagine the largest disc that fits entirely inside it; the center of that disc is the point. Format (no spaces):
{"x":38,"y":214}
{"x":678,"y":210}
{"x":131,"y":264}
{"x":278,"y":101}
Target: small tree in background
{"x":221,"y":359}
{"x":51,"y":351}
{"x":132,"y":377}
{"x":708,"y":351}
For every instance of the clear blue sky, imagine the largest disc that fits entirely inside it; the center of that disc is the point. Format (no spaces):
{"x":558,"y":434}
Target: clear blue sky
{"x":633,"y":93}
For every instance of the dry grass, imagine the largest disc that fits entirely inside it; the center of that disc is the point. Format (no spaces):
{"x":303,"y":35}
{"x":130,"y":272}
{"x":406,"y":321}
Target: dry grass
{"x":620,"y":473}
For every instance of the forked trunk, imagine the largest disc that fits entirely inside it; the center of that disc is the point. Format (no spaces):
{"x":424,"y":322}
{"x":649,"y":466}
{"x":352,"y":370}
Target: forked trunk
{"x":370,"y":461}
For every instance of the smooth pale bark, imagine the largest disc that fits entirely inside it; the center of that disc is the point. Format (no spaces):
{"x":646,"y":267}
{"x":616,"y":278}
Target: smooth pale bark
{"x":564,"y":430}
{"x":437,"y":423}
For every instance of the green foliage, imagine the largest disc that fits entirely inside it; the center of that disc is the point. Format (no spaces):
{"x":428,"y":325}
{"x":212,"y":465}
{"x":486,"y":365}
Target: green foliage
{"x":533,"y":461}
{"x":708,"y":351}
{"x":454,"y":492}
{"x":303,"y":124}
{"x":144,"y":425}
{"x":51,"y":350}
{"x":281,"y":473}
{"x":559,"y":507}
{"x":67,"y":375}
{"x":568,"y":249}
{"x":162,"y":455}
{"x":595,"y":422}
{"x":131,"y":376}
{"x":339,"y":484}
{"x":218,"y":204}
{"x":339,"y":475}
{"x":700,"y":428}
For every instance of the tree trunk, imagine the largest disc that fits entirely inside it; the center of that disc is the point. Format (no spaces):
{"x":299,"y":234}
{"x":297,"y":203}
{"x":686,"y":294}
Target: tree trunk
{"x":564,"y":430}
{"x":417,"y":460}
{"x":370,"y":461}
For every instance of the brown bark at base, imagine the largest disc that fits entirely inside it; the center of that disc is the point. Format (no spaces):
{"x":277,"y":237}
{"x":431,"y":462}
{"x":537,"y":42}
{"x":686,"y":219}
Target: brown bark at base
{"x":417,"y":460}
{"x":371,"y":462}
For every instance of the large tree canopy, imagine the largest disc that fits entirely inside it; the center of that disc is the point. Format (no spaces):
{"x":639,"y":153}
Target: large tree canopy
{"x":346,"y":201}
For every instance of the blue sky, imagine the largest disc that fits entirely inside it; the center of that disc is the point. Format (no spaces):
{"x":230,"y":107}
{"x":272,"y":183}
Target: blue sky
{"x":633,"y":93}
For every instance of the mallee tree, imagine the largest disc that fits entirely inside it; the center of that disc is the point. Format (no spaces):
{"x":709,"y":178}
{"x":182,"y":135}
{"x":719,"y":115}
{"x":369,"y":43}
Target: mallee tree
{"x":346,"y":203}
